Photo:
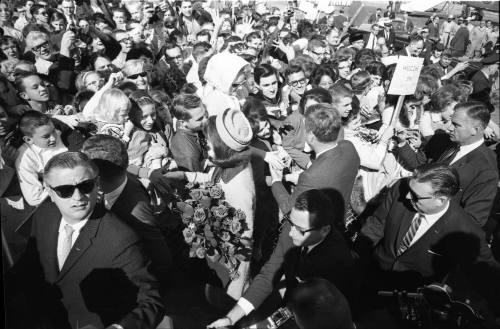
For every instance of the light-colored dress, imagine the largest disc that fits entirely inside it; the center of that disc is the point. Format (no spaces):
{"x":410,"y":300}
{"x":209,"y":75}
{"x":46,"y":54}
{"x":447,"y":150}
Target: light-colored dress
{"x":239,"y":192}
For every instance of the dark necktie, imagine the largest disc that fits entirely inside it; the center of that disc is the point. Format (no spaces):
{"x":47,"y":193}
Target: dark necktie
{"x":449,"y":154}
{"x":415,"y":224}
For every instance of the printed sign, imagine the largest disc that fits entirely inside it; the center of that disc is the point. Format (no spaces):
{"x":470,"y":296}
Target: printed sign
{"x":404,"y":81}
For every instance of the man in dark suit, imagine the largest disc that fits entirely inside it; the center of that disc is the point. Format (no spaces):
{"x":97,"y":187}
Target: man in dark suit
{"x":419,"y":229}
{"x":414,"y":48}
{"x":127,"y":198}
{"x":83,"y":267}
{"x":309,"y":246}
{"x":465,"y":151}
{"x":336,"y":164}
{"x":371,"y":39}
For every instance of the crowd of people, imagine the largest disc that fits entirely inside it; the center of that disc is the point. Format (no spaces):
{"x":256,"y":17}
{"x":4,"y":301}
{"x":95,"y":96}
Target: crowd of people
{"x":109,"y":108}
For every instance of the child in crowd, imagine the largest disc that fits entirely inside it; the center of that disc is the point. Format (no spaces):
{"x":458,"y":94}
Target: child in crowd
{"x":41,"y":142}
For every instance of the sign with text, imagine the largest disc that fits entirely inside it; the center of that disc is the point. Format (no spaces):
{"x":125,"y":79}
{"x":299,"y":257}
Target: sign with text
{"x":404,"y":81}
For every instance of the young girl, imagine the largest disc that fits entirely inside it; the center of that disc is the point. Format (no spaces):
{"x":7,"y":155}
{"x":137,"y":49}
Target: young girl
{"x":148,"y":146}
{"x":111,"y":114}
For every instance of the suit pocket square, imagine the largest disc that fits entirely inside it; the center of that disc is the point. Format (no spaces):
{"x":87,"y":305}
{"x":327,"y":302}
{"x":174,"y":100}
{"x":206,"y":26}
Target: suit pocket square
{"x":434,"y":253}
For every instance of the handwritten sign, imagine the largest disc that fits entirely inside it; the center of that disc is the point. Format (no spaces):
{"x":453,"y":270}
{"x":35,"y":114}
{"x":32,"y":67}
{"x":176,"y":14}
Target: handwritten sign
{"x":405,"y":79}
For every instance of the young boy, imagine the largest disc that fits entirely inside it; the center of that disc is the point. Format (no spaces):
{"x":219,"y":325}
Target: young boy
{"x":41,"y":143}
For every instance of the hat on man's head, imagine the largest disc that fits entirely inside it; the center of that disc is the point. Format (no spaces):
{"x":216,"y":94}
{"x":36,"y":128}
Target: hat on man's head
{"x":355,"y":37}
{"x":234,"y":129}
{"x":492,"y":59}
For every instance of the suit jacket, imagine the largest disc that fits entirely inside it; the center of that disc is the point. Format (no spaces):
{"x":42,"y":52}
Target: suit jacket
{"x":104,"y":279}
{"x":331,"y":260}
{"x":333,"y":171}
{"x":133,"y":207}
{"x":433,"y":31}
{"x":448,"y":242}
{"x":477,"y":173}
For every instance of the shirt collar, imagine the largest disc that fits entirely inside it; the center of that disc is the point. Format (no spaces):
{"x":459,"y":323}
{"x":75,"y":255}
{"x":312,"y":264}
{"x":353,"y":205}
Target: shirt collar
{"x":433,"y":218}
{"x":326,"y":150}
{"x":76,"y":227}
{"x":469,"y":148}
{"x":111,"y":197}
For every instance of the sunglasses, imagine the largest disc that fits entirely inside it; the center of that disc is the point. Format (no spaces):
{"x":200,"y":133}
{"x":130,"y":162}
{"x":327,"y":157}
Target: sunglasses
{"x":300,"y":229}
{"x":416,"y":198}
{"x":39,"y":47}
{"x":135,"y":76}
{"x":67,"y":191}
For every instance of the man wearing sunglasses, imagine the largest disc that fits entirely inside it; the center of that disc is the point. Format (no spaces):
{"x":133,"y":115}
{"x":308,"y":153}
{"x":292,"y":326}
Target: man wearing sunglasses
{"x":83,"y":267}
{"x":309,"y":246}
{"x":418,"y":228}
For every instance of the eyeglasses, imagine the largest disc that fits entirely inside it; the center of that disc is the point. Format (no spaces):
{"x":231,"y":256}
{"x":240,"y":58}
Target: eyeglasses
{"x":318,"y":54}
{"x":415,"y":197}
{"x":44,"y":45}
{"x":298,"y":228}
{"x":67,"y":191}
{"x":297,"y":82}
{"x":135,"y":76}
{"x":176,"y":58}
{"x":43,"y":13}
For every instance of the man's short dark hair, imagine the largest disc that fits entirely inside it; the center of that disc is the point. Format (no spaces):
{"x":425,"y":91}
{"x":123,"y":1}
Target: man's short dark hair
{"x":444,"y":180}
{"x":30,"y":120}
{"x":108,"y":153}
{"x":19,"y":82}
{"x":69,"y":160}
{"x":183,"y":103}
{"x":136,"y":53}
{"x":319,"y":206}
{"x":324,"y":121}
{"x":320,"y":95}
{"x":477,"y":111}
{"x":318,"y":304}
{"x":292,"y":69}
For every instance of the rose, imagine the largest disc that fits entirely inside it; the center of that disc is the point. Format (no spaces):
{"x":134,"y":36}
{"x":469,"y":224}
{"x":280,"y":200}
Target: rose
{"x":206,"y":201}
{"x":186,"y":209}
{"x":216,"y":192}
{"x":201,"y":252}
{"x":235,"y":226}
{"x":240,"y":215}
{"x":196,"y":194}
{"x":225,"y":236}
{"x":199,"y":215}
{"x":220,"y":211}
{"x":188,"y":235}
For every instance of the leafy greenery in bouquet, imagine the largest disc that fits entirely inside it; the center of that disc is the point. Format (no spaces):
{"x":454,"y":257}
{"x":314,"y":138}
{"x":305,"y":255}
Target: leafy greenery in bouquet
{"x":214,"y":228}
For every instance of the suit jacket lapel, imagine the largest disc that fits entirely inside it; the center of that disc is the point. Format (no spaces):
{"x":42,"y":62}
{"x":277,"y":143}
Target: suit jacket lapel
{"x":52,"y":232}
{"x":82,"y":243}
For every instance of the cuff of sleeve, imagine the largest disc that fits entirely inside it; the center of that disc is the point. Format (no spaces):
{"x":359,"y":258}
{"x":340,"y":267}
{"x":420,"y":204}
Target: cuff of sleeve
{"x":245,"y":305}
{"x":190,"y":176}
{"x":117,"y":326}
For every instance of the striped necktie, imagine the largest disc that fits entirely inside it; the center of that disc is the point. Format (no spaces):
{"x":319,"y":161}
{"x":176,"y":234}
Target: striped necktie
{"x":415,"y":224}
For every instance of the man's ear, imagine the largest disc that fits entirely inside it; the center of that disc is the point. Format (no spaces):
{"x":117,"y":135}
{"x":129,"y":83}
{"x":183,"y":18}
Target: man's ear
{"x":28,"y":140}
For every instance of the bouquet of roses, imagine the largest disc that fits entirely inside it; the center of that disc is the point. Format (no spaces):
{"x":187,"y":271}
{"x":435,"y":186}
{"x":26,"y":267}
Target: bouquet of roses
{"x":214,"y":229}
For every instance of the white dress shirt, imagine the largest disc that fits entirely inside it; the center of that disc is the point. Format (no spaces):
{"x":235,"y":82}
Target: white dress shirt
{"x":372,"y":41}
{"x":427,"y":222}
{"x":466,"y":149}
{"x":111,"y":197}
{"x":76,"y":232}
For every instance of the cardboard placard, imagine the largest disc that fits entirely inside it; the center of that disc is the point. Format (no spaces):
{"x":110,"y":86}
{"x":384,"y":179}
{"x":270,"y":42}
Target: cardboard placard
{"x":406,"y":74}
